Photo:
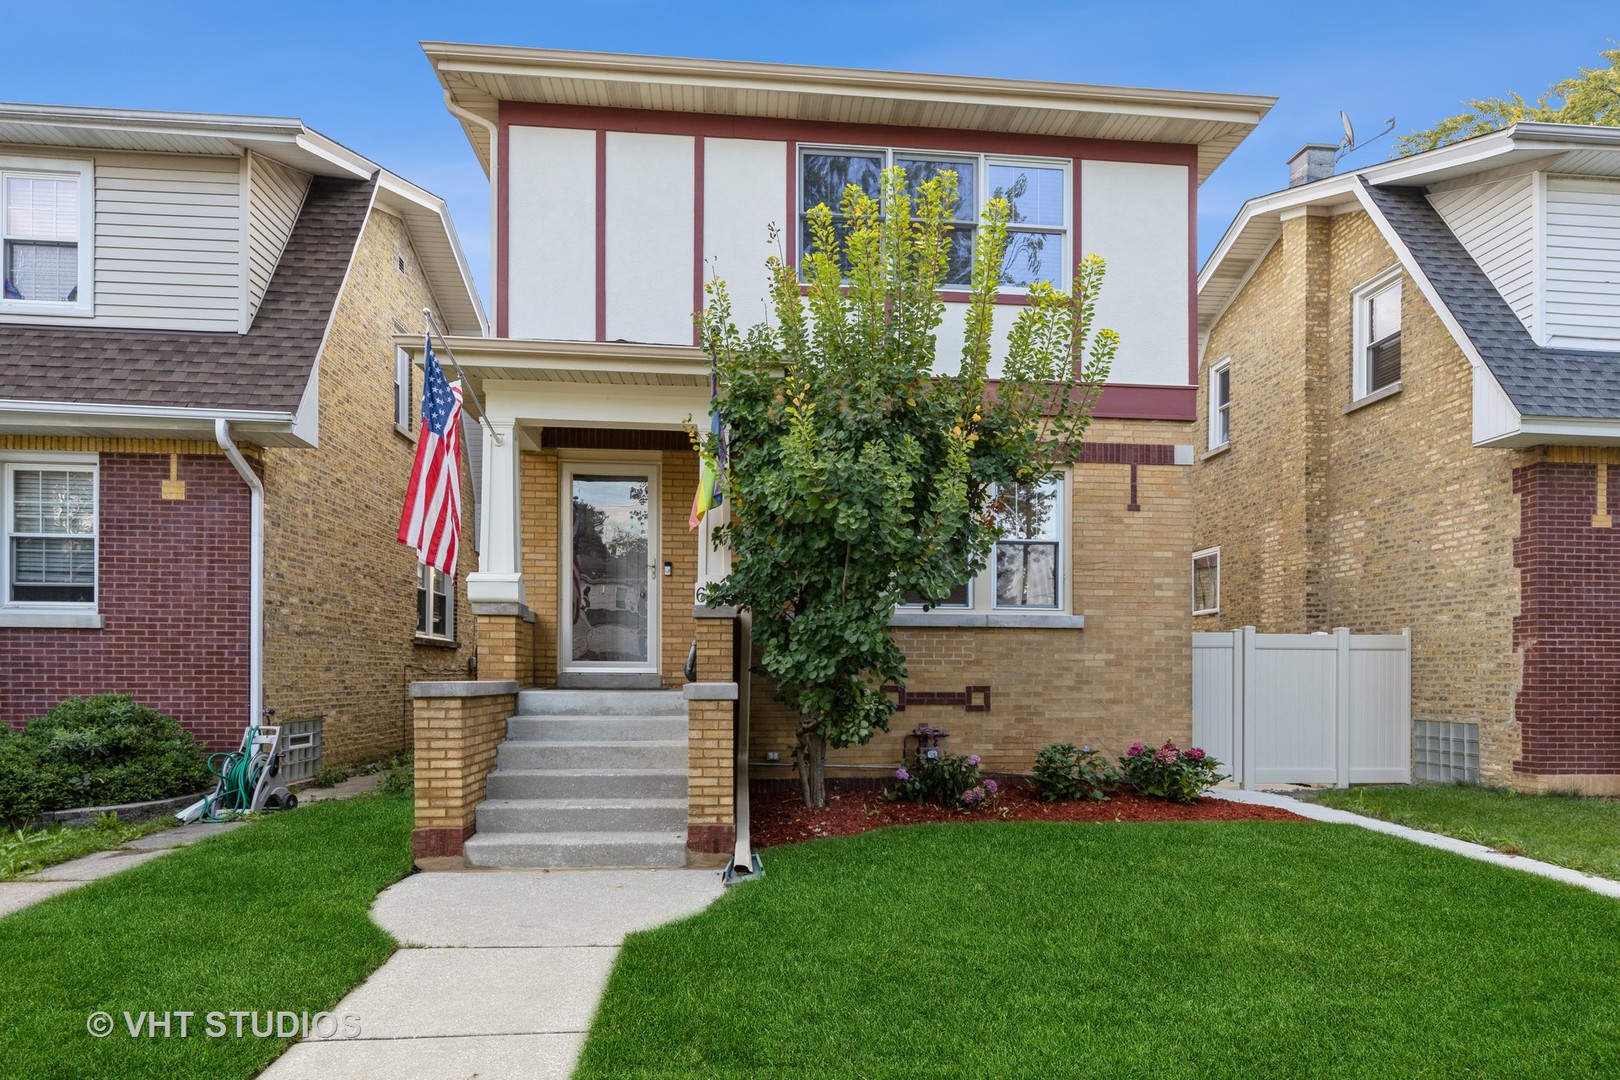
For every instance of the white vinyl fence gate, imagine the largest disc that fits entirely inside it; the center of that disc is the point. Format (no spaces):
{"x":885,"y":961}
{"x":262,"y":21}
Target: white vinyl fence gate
{"x":1305,"y":708}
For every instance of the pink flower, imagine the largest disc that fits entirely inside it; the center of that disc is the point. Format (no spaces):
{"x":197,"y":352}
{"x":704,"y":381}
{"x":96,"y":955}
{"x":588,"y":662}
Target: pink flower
{"x":1136,"y":748}
{"x":1166,"y":755}
{"x":1195,"y":754}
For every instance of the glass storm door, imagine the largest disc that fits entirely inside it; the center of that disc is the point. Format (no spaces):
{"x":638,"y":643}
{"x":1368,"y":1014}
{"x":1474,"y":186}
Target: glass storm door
{"x":610,"y":588}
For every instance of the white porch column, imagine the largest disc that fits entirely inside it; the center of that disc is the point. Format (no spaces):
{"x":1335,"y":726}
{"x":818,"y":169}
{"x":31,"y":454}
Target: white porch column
{"x":499,"y":579}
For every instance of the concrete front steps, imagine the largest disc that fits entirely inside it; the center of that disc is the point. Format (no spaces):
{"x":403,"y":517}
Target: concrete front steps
{"x":587,"y":778}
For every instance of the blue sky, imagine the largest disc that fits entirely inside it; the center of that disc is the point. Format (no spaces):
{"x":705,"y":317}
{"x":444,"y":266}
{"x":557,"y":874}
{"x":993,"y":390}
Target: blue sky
{"x":354,"y":71}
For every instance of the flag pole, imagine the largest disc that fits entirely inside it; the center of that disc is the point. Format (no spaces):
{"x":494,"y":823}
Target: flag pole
{"x":433,"y":330}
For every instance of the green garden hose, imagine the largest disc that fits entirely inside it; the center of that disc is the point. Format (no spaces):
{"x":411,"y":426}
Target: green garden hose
{"x":236,"y":781}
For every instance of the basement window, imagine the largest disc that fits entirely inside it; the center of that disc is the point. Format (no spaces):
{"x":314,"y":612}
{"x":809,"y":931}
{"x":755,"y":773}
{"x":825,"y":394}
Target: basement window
{"x":1378,"y":334}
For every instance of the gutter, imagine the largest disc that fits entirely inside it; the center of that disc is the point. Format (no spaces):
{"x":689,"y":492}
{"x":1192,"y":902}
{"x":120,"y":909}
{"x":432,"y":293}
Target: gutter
{"x":494,"y":182}
{"x":222,"y":435}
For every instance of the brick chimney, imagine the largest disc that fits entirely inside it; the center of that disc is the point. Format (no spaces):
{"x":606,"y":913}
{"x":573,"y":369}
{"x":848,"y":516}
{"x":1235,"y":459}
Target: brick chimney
{"x":1314,"y":161}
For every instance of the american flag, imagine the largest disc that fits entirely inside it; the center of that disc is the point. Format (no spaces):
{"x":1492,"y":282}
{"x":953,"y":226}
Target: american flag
{"x":431,"y":522}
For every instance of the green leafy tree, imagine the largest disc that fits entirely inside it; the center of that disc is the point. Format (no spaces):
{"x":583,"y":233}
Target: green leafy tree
{"x":857,"y":476}
{"x":1590,"y":97}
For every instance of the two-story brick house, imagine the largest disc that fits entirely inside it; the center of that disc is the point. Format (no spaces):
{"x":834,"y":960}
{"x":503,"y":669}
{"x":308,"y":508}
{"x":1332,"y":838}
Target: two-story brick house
{"x":206,"y":427}
{"x":619,"y":184}
{"x":1410,"y":404}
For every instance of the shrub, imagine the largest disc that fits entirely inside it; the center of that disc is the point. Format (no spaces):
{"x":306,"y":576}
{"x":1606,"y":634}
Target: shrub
{"x":1063,"y":772}
{"x":950,"y":779}
{"x":1170,"y":772}
{"x":97,"y":750}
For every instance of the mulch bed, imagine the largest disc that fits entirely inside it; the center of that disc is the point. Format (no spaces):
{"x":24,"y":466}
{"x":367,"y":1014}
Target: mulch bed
{"x":781,"y":817}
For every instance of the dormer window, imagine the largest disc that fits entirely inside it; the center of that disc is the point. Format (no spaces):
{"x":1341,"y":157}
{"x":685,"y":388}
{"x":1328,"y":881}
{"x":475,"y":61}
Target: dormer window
{"x":45,"y":219}
{"x":1378,"y":334}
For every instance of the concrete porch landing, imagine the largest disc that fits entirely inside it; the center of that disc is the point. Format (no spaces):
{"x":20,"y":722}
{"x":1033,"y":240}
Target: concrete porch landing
{"x":506,"y":979}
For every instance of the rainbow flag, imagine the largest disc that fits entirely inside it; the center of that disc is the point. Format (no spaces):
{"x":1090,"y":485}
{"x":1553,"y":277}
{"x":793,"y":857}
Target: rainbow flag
{"x":708,"y":496}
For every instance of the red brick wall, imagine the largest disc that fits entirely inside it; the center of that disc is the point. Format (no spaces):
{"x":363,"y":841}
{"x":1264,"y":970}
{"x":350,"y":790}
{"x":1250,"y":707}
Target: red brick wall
{"x":1568,"y":629}
{"x":174,"y":604}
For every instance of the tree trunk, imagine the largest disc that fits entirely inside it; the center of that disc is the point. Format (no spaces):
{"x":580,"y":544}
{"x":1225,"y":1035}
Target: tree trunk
{"x":813,"y":767}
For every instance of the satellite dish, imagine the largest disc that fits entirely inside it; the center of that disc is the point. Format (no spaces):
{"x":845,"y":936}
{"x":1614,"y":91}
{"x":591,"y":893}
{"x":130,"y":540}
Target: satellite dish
{"x":1349,"y":131}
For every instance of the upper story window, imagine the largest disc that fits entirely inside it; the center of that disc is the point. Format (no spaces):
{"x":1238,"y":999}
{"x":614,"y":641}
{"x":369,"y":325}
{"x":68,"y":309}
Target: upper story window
{"x":1377,"y":333}
{"x":1036,"y":189}
{"x":1220,"y":404}
{"x":48,"y":563}
{"x":1026,"y":571}
{"x":45,"y":219}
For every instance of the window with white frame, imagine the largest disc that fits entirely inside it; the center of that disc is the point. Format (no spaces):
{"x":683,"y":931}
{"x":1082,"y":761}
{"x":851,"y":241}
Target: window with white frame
{"x":1220,"y":404}
{"x":44,"y":247}
{"x":435,"y":604}
{"x":1206,"y":581}
{"x":402,"y":390}
{"x":49,"y":559}
{"x":1026,"y":569}
{"x":1037,"y":191}
{"x":1378,"y":333}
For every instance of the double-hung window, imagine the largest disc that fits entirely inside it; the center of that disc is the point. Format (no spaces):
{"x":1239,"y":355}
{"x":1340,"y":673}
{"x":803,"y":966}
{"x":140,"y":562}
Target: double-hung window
{"x":1377,"y":333}
{"x":45,"y":214}
{"x":1220,"y":404}
{"x":1036,"y":190}
{"x":1027,"y":569}
{"x":435,"y":604}
{"x":48,"y":564}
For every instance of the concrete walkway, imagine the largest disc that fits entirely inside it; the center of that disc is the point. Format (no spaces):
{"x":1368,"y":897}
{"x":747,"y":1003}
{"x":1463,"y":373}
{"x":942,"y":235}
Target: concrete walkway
{"x":1428,"y":839}
{"x":16,"y":895}
{"x":509,"y":971}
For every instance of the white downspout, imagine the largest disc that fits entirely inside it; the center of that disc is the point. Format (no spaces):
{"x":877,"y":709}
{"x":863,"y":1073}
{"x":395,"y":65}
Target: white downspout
{"x":222,"y":435}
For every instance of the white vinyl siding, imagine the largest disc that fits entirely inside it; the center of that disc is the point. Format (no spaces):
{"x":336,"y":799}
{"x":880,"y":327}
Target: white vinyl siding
{"x":1583,"y":264}
{"x":275,"y":197}
{"x":1497,"y":225}
{"x":168,"y":242}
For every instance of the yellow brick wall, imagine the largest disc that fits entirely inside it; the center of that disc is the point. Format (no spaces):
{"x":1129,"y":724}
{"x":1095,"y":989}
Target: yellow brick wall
{"x":1125,"y":676}
{"x":456,"y":739}
{"x":710,"y":787}
{"x":340,"y":592}
{"x":1382,"y":518}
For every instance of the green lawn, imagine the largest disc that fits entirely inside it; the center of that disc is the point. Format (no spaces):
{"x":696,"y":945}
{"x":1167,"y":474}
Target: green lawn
{"x":270,"y":917}
{"x":1170,"y":950}
{"x":1581,"y":833}
{"x":24,"y":852}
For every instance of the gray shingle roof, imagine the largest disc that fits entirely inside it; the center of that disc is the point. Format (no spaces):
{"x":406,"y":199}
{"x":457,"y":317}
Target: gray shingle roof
{"x":265,"y":369}
{"x":1540,"y":381}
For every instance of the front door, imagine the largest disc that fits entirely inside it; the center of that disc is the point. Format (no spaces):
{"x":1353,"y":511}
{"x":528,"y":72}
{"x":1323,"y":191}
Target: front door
{"x":610,"y":586}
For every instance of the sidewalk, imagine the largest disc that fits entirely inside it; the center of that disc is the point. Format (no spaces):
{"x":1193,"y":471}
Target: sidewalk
{"x":510,"y":967}
{"x":16,"y":895}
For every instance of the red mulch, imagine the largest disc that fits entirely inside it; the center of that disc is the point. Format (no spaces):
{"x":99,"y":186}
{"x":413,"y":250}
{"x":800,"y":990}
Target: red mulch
{"x":782,"y":818}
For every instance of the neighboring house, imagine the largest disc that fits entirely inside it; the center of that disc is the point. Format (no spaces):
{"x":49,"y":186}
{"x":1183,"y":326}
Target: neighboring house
{"x":1411,"y":407}
{"x":619,"y":184}
{"x":191,"y":300}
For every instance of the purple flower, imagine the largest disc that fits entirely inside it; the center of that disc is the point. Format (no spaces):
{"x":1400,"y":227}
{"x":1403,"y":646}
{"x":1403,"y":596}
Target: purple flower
{"x":1195,"y":754}
{"x":901,"y":774}
{"x":991,"y":786}
{"x":973,"y":759}
{"x":972,"y":795}
{"x":1136,"y":748}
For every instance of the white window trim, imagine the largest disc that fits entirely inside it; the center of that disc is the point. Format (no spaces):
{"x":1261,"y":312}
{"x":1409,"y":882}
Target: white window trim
{"x":982,"y":609}
{"x":402,"y":391}
{"x":954,"y":293}
{"x":1224,"y":411}
{"x":426,"y":634}
{"x":1193,"y":565}
{"x":84,"y":172}
{"x":36,"y":613}
{"x":1361,"y":322}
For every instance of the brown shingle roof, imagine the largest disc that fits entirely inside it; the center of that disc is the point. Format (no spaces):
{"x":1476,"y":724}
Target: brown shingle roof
{"x":264,"y":370}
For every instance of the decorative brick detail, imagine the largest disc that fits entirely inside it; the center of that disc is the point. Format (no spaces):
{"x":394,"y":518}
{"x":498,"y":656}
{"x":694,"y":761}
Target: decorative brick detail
{"x":1569,"y":622}
{"x":559,"y":438}
{"x":971,"y":699}
{"x":456,"y":739}
{"x":173,"y":598}
{"x":1124,"y":453}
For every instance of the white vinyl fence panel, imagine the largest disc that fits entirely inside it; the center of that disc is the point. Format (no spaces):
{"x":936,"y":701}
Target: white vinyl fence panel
{"x":1305,"y":708}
